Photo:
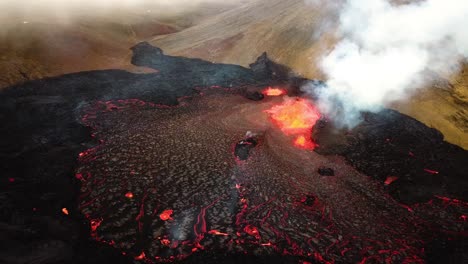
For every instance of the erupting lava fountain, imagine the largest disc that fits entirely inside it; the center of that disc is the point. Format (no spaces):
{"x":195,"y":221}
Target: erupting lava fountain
{"x":295,"y":116}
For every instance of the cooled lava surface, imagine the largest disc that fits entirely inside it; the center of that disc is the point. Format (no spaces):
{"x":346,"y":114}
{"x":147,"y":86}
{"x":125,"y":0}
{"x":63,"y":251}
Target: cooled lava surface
{"x":113,"y":166}
{"x":181,"y":159}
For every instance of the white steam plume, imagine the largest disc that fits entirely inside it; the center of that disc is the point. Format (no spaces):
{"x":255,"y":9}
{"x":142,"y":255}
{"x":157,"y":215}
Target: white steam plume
{"x":384,"y":49}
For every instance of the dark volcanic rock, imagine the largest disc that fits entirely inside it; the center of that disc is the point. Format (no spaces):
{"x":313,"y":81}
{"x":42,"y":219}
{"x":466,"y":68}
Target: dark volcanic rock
{"x":392,"y":144}
{"x":309,"y":200}
{"x":243,"y":147}
{"x":196,"y":72}
{"x":254,"y":96}
{"x":263,"y":67}
{"x":326,"y":171}
{"x":42,"y":135}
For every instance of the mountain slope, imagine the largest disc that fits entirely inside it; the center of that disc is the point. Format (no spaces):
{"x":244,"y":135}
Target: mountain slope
{"x":296,"y":34}
{"x":40,"y":45}
{"x":287,"y":30}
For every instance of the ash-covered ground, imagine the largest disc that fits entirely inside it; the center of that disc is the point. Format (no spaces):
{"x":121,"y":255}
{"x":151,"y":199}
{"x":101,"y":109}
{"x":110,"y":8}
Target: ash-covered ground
{"x":146,"y":168}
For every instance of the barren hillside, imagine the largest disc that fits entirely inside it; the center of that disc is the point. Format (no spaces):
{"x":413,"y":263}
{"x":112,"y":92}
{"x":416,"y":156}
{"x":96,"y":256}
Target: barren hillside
{"x":41,"y":46}
{"x":294,"y":33}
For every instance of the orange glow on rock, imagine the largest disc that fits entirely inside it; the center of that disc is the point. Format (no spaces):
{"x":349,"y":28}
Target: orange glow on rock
{"x":166,"y":242}
{"x":296,"y":116}
{"x":166,"y":215}
{"x":95,"y":223}
{"x":129,"y":195}
{"x":252,"y":230}
{"x":142,"y":256}
{"x":390,"y":179}
{"x":273,"y":91}
{"x":65,"y":211}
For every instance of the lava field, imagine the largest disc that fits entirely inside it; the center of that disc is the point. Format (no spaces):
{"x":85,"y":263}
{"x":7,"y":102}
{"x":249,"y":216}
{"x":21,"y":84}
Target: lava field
{"x":213,"y":163}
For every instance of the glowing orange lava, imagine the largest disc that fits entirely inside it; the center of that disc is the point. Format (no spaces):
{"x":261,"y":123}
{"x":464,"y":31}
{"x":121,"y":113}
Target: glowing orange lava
{"x":217,"y":233}
{"x":65,"y":211}
{"x":304,"y":142}
{"x":300,"y":141}
{"x":273,"y":91}
{"x":166,"y":215}
{"x":129,"y":195}
{"x":296,"y":116}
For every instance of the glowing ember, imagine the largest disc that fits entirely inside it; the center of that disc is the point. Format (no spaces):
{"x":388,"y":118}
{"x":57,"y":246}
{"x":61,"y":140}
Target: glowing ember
{"x":95,"y":223}
{"x":166,"y":215}
{"x":166,"y":242}
{"x":273,"y":91}
{"x":129,"y":195}
{"x":65,"y":211}
{"x":431,"y":171}
{"x":390,"y":179}
{"x":217,"y":233}
{"x":142,"y":256}
{"x":296,"y":117}
{"x":79,"y":176}
{"x":252,"y":230}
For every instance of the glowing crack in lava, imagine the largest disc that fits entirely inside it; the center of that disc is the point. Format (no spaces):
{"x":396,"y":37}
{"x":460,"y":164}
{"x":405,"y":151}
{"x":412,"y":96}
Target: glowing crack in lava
{"x":296,"y":116}
{"x":273,"y":91}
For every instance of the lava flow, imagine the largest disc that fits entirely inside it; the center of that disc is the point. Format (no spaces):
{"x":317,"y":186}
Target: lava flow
{"x":296,"y":116}
{"x":274,"y":91}
{"x":201,"y":200}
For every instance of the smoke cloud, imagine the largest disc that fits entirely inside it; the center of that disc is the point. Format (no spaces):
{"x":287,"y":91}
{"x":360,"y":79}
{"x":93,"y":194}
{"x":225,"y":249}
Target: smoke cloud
{"x":385,"y":50}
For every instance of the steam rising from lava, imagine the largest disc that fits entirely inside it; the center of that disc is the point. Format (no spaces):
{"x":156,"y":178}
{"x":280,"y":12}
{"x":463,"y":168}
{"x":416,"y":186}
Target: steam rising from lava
{"x":385,"y":49}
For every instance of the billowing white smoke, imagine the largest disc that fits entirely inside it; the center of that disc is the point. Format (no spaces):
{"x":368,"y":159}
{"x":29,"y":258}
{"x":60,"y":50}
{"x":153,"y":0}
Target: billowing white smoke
{"x":384,"y":49}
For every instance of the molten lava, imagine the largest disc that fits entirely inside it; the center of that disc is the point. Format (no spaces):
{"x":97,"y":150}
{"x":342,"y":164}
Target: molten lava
{"x":304,"y":142}
{"x":296,"y":117}
{"x":166,"y":215}
{"x":274,"y":91}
